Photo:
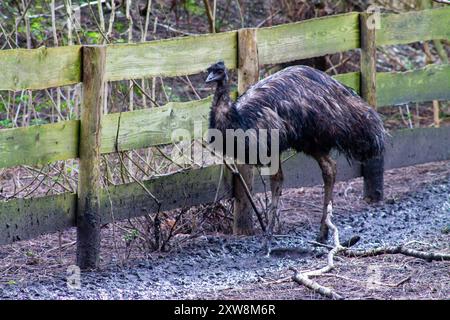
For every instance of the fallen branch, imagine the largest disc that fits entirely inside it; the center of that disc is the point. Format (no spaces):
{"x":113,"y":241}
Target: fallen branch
{"x":303,"y":278}
{"x":428,"y":256}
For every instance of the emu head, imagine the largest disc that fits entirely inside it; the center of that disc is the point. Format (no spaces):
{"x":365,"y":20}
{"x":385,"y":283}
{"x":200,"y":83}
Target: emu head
{"x":217,"y":73}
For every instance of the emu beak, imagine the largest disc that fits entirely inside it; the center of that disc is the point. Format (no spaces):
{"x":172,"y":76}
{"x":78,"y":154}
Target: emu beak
{"x":211,"y":77}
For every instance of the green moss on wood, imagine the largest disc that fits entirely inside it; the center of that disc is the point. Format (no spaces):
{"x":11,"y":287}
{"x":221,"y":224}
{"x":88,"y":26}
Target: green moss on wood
{"x":170,"y":57}
{"x":420,"y":85}
{"x":308,"y":38}
{"x":23,"y":219}
{"x":150,"y":127}
{"x":426,"y":84}
{"x":409,"y":27}
{"x":40,"y":68}
{"x":39,"y":145}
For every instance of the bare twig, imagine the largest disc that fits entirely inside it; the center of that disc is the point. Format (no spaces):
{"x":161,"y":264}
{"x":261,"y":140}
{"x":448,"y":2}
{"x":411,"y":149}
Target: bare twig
{"x":211,"y":16}
{"x":270,"y":17}
{"x":429,"y":256}
{"x":303,"y":278}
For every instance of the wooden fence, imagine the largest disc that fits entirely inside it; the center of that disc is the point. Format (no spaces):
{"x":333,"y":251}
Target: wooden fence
{"x":42,"y":68}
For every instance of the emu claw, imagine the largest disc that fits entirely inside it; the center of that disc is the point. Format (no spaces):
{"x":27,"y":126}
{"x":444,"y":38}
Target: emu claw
{"x":351,"y":242}
{"x":322,"y":238}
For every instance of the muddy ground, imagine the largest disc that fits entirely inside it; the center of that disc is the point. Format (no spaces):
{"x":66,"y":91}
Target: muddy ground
{"x":219,"y":266}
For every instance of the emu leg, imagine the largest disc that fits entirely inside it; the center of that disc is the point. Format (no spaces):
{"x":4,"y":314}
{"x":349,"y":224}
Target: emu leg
{"x":276,"y":186}
{"x":328,"y":167}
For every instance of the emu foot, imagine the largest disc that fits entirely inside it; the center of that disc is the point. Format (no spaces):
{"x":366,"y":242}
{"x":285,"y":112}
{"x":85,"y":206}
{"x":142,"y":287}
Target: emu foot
{"x":351,"y":242}
{"x":322,"y":237}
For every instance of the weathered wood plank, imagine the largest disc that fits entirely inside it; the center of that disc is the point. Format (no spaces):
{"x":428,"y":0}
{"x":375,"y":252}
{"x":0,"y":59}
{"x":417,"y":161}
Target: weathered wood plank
{"x":308,"y":38}
{"x":62,"y":66}
{"x":88,"y":205}
{"x":39,"y":145}
{"x":414,"y":26}
{"x":171,"y":57}
{"x":327,"y":35}
{"x":179,"y":190}
{"x":351,"y":79}
{"x":427,"y":84}
{"x":40,"y":68}
{"x":23,"y":219}
{"x":150,"y":127}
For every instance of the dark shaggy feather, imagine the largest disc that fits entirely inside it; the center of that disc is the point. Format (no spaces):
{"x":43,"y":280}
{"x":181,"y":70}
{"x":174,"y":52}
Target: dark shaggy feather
{"x":313,"y":112}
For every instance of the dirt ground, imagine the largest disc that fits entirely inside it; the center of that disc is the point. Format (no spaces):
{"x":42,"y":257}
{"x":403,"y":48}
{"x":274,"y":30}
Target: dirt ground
{"x":220,"y":266}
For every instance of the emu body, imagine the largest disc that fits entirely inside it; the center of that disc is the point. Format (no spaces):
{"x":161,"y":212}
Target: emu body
{"x":313,"y":113}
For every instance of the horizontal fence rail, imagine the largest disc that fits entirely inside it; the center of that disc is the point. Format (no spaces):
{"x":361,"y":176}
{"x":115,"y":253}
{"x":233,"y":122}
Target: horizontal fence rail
{"x":171,"y":57}
{"x":429,"y":83}
{"x":136,"y":131}
{"x":39,"y":145}
{"x":22,"y":219}
{"x":309,"y":38}
{"x":188,"y":55}
{"x":414,"y":26}
{"x":40,"y":68}
{"x":394,"y":88}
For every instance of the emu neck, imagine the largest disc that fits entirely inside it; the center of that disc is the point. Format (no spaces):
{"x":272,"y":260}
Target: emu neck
{"x":222,"y":96}
{"x":223,"y":114}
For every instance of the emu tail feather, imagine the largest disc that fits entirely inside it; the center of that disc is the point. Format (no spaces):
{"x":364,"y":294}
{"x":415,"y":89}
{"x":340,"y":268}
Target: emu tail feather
{"x":365,"y":139}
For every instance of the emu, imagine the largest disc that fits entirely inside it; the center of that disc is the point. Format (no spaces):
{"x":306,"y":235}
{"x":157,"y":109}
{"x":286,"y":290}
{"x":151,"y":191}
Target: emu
{"x":314,"y":114}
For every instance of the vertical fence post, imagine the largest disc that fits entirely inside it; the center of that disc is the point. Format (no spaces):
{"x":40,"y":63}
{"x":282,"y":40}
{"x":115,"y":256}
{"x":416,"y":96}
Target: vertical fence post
{"x":372,"y":170}
{"x":248,"y":74}
{"x":88,"y":208}
{"x":423,"y":5}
